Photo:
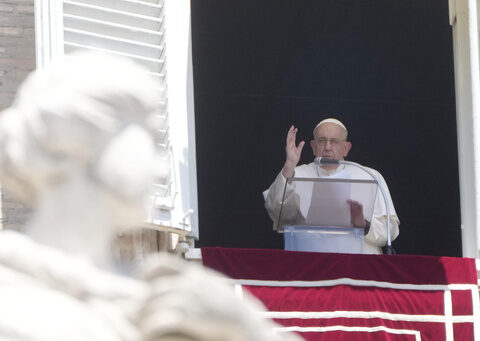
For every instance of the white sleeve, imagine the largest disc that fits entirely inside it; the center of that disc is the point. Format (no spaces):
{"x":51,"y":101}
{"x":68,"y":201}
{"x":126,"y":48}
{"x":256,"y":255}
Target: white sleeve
{"x":273,"y":201}
{"x":377,"y":235}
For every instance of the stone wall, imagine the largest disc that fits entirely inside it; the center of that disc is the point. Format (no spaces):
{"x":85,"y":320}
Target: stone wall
{"x":17,"y":60}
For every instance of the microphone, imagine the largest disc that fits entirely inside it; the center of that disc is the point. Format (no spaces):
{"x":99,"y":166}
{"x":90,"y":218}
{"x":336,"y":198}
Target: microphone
{"x":325,"y":161}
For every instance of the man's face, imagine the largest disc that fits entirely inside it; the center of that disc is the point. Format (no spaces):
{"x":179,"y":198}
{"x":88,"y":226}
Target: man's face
{"x":330,"y":142}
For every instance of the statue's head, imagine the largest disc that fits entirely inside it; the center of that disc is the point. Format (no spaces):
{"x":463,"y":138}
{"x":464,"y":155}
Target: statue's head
{"x":90,"y":116}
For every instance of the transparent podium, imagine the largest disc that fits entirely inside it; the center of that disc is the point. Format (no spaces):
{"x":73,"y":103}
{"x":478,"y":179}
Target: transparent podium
{"x":316,"y":216}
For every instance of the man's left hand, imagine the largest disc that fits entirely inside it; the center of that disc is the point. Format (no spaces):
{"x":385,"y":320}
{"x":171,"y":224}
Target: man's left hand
{"x":356,"y":213}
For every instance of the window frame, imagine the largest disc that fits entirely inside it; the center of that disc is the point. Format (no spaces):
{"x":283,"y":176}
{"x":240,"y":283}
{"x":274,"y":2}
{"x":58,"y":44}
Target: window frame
{"x":49,"y":48}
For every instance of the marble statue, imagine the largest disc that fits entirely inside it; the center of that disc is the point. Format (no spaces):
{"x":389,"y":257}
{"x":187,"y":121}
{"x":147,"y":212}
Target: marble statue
{"x":77,"y":146}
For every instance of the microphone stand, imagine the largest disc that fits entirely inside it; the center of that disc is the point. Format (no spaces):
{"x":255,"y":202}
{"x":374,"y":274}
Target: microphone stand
{"x":319,"y":162}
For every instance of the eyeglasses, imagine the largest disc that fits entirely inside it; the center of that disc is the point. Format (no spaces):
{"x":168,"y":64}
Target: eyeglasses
{"x":322,"y":141}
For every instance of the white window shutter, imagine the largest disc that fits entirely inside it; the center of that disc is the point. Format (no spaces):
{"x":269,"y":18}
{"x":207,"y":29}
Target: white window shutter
{"x":137,"y":29}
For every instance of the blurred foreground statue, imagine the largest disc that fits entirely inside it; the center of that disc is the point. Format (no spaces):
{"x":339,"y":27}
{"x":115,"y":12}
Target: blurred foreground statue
{"x":77,"y":145}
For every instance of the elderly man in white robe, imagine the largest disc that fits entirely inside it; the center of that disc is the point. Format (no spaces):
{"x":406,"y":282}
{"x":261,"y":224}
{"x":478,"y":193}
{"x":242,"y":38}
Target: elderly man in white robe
{"x":330,"y":141}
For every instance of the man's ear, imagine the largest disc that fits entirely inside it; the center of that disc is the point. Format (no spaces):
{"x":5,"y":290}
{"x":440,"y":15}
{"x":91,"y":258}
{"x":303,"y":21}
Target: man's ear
{"x":312,"y":144}
{"x":348,"y":146}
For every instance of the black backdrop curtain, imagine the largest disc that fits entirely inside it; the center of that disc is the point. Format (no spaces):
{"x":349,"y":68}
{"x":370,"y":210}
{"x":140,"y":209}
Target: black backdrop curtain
{"x":383,"y":67}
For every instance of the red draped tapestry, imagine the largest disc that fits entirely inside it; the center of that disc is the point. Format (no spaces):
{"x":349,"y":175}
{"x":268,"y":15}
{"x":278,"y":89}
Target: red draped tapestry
{"x":338,"y":297}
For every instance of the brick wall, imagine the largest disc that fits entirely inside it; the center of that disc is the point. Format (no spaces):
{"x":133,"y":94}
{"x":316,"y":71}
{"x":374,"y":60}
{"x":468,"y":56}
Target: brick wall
{"x":17,"y":59}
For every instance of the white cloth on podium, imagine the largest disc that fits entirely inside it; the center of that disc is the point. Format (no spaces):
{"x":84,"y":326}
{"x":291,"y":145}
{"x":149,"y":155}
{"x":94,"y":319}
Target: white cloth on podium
{"x":376,"y":236}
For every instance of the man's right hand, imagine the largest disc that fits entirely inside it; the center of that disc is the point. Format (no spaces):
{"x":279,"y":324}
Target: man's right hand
{"x":293,"y":153}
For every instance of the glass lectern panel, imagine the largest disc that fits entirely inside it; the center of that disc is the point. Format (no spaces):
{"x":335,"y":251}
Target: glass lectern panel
{"x":324,"y":239}
{"x":324,"y":202}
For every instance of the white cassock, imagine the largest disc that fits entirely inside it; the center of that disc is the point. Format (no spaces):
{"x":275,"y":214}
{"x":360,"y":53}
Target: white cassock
{"x":376,"y":236}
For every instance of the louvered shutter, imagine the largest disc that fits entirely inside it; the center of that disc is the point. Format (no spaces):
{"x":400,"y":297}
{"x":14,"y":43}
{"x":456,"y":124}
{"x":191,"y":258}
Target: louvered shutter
{"x":136,"y":29}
